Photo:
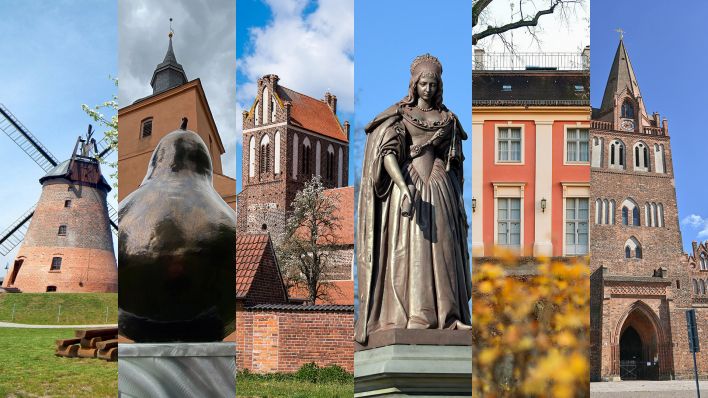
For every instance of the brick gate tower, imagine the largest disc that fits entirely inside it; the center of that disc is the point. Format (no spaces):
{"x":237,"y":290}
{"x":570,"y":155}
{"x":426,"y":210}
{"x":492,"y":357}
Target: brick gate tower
{"x":640,"y":280}
{"x":68,"y":246}
{"x":288,"y":137}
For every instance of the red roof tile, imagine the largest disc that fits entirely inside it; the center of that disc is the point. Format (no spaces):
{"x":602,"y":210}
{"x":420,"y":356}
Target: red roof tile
{"x":312,"y":114}
{"x":249,"y":252}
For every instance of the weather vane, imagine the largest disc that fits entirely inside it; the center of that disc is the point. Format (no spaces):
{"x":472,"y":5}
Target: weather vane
{"x":172,"y":32}
{"x":621,"y":32}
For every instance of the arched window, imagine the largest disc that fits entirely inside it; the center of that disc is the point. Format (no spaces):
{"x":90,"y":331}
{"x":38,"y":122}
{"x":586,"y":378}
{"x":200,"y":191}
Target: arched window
{"x":273,"y":108}
{"x":647,"y":214}
{"x":703,"y":287}
{"x":318,"y":150}
{"x":632,"y":245}
{"x":625,"y":215}
{"x":627,"y":110}
{"x":265,"y":154}
{"x":258,"y":114}
{"x":330,"y":163}
{"x":654,"y":222}
{"x":306,"y":158}
{"x":641,"y":157}
{"x":695,"y":287}
{"x":146,"y":128}
{"x":252,"y":157}
{"x":635,"y":216}
{"x":276,"y":165}
{"x":606,"y":211}
{"x":612,"y":212}
{"x":704,"y":262}
{"x":266,"y":101}
{"x":340,"y":167}
{"x":660,"y":215}
{"x":598,"y":211}
{"x":295,"y":156}
{"x":617,"y":154}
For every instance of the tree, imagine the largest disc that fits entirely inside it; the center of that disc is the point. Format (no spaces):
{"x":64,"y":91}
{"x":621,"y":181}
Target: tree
{"x":311,"y":233}
{"x":528,"y":15}
{"x":110,"y":126}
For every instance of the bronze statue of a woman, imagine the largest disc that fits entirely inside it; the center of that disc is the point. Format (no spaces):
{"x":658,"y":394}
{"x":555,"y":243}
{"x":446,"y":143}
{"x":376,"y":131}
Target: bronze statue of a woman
{"x":412,"y":253}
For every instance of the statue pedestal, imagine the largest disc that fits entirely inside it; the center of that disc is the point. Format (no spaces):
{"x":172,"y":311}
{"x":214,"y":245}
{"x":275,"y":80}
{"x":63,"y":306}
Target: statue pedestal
{"x":177,"y":370}
{"x":420,"y":363}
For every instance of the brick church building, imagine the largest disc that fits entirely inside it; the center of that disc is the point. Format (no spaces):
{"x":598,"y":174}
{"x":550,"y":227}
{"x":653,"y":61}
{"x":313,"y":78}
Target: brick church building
{"x":146,"y":121}
{"x":641,"y":281}
{"x":289,"y":137}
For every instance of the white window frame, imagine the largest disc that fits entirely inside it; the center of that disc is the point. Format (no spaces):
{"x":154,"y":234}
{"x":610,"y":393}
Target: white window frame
{"x":575,"y":190}
{"x":577,"y":222}
{"x":509,"y":191}
{"x":496,"y":144}
{"x":576,"y":128}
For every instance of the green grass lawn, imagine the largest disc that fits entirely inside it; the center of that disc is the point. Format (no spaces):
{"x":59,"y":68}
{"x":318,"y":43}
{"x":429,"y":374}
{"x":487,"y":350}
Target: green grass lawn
{"x":309,"y":381}
{"x":257,"y":386}
{"x":29,"y":368}
{"x":44,"y":308}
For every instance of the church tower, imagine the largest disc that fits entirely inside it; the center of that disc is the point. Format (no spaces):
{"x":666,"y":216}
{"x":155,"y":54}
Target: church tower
{"x":288,"y":137}
{"x":638,"y":276}
{"x":142,"y":124}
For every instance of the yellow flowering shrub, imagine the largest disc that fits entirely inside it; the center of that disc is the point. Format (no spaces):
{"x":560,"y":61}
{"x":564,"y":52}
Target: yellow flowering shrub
{"x":530,"y":329}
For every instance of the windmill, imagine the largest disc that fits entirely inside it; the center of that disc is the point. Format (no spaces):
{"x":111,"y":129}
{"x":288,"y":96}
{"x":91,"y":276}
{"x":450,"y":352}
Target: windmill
{"x":69,"y":247}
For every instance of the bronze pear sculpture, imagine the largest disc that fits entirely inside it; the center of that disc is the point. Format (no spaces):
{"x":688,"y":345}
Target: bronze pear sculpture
{"x":177,"y":249}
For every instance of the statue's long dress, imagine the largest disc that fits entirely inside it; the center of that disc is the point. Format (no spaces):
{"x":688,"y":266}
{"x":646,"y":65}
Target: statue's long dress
{"x":413,"y":272}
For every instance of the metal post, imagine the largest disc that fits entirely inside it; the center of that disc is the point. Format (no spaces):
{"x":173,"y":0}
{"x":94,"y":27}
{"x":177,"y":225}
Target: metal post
{"x":106,"y":314}
{"x":695,"y":374}
{"x":59,"y":313}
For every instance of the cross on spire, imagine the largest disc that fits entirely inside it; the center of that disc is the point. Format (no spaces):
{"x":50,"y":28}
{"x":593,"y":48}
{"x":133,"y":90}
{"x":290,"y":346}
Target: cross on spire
{"x":618,"y":30}
{"x":172,"y":32}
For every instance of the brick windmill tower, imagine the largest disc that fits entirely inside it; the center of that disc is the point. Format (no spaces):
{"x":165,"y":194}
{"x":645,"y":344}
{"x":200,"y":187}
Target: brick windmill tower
{"x":66,"y":237}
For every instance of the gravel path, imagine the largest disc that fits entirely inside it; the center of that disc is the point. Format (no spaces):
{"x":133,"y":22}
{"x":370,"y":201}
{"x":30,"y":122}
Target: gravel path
{"x":646,"y":389}
{"x":22,"y":325}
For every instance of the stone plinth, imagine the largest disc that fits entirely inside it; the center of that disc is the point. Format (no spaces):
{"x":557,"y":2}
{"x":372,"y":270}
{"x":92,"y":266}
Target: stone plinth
{"x":177,"y":370}
{"x":420,"y":363}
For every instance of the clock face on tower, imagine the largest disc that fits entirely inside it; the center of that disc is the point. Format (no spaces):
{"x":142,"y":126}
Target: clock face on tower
{"x":627,"y":125}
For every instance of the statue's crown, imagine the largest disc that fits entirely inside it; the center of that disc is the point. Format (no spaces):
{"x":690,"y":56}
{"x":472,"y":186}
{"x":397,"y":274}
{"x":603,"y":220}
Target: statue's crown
{"x":427,"y":63}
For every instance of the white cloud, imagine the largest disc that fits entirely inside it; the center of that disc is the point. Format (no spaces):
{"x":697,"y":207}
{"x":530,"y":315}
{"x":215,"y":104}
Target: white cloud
{"x":310,"y":53}
{"x":204,"y":43}
{"x":698,"y":223}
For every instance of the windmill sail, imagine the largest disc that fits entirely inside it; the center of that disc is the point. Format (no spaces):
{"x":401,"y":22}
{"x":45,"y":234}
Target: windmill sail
{"x":25,"y":140}
{"x":15,"y":233}
{"x":18,"y":133}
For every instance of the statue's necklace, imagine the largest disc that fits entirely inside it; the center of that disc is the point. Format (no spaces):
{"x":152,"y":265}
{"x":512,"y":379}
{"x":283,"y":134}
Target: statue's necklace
{"x":424,"y":109}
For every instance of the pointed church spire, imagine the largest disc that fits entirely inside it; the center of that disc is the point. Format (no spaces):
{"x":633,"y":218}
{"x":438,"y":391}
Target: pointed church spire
{"x":169,"y":73}
{"x":621,"y":78}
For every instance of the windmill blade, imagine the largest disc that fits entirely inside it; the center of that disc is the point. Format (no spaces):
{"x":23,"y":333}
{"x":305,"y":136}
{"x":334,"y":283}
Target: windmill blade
{"x":104,"y":148}
{"x":25,"y":140}
{"x":113,"y":217}
{"x":15,"y":233}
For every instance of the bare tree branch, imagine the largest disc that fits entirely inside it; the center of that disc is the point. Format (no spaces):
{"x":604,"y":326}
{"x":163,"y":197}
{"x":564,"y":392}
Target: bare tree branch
{"x":495,"y":30}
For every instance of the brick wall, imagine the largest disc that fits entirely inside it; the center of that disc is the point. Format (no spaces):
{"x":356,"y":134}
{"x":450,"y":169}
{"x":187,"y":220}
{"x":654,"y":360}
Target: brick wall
{"x":278,"y":340}
{"x":86,"y":250}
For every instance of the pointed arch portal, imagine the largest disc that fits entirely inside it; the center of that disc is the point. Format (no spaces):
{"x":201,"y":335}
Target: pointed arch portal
{"x":642,"y":351}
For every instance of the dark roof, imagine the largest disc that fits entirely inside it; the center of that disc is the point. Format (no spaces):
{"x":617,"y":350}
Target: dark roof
{"x":299,"y":307}
{"x":169,"y":73}
{"x":530,"y":87}
{"x":621,"y":78}
{"x":61,"y":170}
{"x":312,"y":114}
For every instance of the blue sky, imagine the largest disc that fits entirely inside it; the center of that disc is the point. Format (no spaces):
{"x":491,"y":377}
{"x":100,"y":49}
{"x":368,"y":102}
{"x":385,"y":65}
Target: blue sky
{"x":309,"y":44}
{"x":389,"y":35}
{"x":669,"y":55}
{"x":55,"y":56}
